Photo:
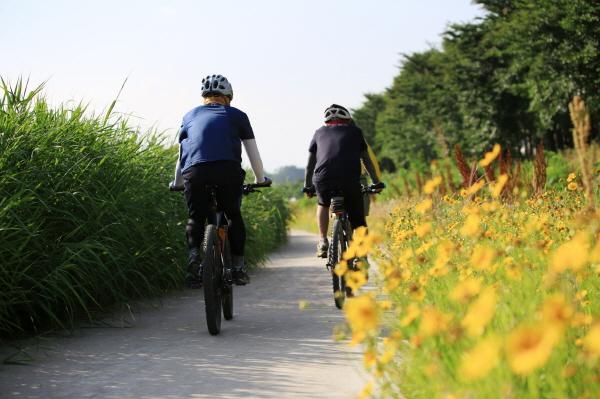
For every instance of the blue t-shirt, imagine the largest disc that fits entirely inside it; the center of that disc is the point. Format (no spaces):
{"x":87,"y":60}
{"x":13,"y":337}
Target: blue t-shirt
{"x":213,"y":132}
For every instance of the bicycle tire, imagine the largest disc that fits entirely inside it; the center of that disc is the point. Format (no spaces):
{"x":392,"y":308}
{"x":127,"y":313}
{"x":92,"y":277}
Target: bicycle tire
{"x":336,"y":250}
{"x":227,"y":298}
{"x":212,"y":275}
{"x":347,"y":238}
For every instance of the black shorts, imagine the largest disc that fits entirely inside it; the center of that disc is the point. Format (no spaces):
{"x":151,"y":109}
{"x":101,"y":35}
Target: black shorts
{"x":353,"y":199}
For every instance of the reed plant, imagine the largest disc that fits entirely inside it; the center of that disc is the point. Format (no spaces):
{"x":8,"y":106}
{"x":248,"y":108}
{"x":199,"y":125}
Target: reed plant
{"x":86,"y":219}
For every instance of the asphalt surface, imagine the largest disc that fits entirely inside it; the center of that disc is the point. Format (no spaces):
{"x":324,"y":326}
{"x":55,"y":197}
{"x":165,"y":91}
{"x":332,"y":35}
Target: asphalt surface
{"x":271,"y":349}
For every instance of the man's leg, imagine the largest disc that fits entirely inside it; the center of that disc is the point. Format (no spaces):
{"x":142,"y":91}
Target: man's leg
{"x":323,"y":220}
{"x":230,"y":199}
{"x":324,"y":201}
{"x":197,"y":201}
{"x":355,"y":206}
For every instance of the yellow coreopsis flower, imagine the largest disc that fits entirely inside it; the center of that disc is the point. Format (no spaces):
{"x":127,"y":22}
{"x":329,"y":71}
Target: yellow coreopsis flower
{"x":423,"y":206}
{"x":366,"y":392}
{"x":430,"y":185}
{"x":466,"y":290}
{"x":341,"y":268}
{"x":556,"y":312}
{"x":416,"y":292}
{"x":496,"y":188}
{"x":572,"y":186}
{"x":482,"y":257}
{"x":432,"y":322}
{"x":472,"y":226}
{"x":480,"y":312}
{"x":529,"y":347}
{"x":591,"y":341}
{"x":355,"y":280}
{"x":412,"y":312}
{"x":571,"y":177}
{"x":369,"y":358}
{"x":479,"y":361}
{"x":423,"y":229}
{"x":475,"y":187}
{"x":489,"y":157}
{"x":571,"y":255}
{"x":362,"y":314}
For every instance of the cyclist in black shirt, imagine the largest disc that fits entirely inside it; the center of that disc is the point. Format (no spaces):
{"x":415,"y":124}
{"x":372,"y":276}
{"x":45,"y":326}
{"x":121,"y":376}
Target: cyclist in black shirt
{"x":334,"y":163}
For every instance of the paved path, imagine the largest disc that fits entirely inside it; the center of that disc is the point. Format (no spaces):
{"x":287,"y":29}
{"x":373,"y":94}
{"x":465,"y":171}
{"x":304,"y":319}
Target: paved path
{"x":271,"y":349}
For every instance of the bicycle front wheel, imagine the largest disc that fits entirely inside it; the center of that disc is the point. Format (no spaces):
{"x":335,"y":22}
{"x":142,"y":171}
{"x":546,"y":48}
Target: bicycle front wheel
{"x":227,"y":297}
{"x":212,"y":275}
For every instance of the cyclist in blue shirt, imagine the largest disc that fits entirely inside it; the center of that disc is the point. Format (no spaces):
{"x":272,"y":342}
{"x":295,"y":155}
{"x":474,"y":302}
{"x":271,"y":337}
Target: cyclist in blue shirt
{"x":210,"y":153}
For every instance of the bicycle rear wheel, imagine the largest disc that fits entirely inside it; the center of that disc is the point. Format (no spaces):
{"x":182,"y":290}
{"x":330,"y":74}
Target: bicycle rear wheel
{"x":212,"y":275}
{"x":227,"y":297}
{"x":336,"y":250}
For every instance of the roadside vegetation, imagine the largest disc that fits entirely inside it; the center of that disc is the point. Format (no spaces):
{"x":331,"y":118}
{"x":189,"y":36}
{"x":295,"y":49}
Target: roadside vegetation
{"x":86,"y":219}
{"x":489,"y":290}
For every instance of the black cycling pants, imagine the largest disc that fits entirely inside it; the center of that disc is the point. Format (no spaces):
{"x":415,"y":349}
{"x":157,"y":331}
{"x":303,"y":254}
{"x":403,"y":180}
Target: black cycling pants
{"x":353,"y":199}
{"x":229,"y":177}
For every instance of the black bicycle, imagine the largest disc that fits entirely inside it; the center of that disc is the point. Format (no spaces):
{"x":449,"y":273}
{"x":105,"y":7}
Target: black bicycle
{"x":217,"y":279}
{"x":216,"y":265}
{"x":341,"y":235}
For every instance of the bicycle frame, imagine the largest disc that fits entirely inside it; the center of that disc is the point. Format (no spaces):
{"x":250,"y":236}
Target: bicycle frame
{"x":217,"y":217}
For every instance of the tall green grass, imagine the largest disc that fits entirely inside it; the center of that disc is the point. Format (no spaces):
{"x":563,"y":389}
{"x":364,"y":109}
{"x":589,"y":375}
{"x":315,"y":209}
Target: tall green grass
{"x":85,"y":217}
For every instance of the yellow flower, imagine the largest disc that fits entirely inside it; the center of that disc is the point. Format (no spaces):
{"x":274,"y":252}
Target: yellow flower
{"x":355,"y":280}
{"x":439,"y":269}
{"x":581,"y":319}
{"x":472,"y":226}
{"x":423,"y":206}
{"x":571,"y":177}
{"x":412,"y":312}
{"x":430,"y":185}
{"x":529,"y":347}
{"x":496,"y":188}
{"x":479,"y":361}
{"x":432,"y":322}
{"x":591,"y":341}
{"x":475,"y":187}
{"x":480,"y":312}
{"x":572,"y":186}
{"x":423,"y":229}
{"x":366,"y":392}
{"x":489,"y":157}
{"x":416,"y":292}
{"x":362,"y":314}
{"x":482,"y":257}
{"x":369,"y":358}
{"x":466,"y":290}
{"x":556,"y":311}
{"x":571,"y":255}
{"x":341,"y":268}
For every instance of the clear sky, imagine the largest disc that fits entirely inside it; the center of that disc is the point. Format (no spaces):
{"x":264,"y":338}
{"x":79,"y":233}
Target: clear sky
{"x":286,"y":60}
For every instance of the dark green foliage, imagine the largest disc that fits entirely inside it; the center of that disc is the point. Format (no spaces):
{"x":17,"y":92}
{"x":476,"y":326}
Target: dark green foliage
{"x":86,"y":219}
{"x":506,"y":78}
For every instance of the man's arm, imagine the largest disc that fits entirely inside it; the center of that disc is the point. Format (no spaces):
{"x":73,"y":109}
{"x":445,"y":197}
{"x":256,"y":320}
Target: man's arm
{"x":371,"y":165}
{"x":177,"y":182}
{"x":310,"y":169}
{"x":255,"y":159}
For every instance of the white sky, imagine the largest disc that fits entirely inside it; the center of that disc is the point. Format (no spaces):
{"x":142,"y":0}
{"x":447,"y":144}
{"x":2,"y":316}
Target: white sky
{"x":286,"y":60}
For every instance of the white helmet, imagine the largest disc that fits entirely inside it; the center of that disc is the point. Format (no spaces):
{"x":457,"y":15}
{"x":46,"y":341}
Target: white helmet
{"x":216,"y":84}
{"x":335,"y":111}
